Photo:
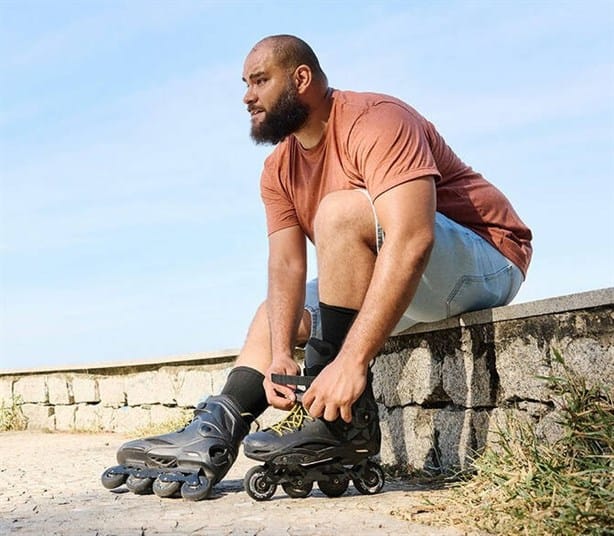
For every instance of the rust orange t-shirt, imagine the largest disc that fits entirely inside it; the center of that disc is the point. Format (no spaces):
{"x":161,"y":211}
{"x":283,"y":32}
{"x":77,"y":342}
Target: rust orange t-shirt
{"x":377,"y":142}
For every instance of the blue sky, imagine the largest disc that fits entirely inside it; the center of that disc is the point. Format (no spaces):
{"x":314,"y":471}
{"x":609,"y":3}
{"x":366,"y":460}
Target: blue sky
{"x":130,"y":220}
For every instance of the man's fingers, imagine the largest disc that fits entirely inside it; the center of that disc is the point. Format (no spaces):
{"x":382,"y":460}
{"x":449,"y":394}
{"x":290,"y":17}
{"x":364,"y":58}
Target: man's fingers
{"x":346,"y":413}
{"x":280,"y":401}
{"x":307,"y":399}
{"x":315,"y":409}
{"x":284,"y":392}
{"x":279,"y":396}
{"x":331,"y":412}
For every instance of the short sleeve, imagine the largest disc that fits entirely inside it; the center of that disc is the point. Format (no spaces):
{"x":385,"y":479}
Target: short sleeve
{"x":389,"y":145}
{"x":279,"y":208}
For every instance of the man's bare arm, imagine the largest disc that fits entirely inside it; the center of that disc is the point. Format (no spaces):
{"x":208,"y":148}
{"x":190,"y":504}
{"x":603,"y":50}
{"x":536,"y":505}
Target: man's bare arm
{"x":406,"y":213}
{"x":285,"y":303}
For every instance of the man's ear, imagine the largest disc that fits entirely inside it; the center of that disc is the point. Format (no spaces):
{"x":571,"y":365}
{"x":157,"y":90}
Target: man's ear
{"x":302,"y":78}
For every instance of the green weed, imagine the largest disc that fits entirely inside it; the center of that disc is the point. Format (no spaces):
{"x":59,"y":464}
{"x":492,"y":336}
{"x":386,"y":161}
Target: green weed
{"x":11,"y":416}
{"x":526,"y":486}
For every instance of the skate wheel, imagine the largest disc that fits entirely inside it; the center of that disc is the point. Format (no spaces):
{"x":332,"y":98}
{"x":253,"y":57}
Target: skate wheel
{"x":256,"y":484}
{"x":299,"y":489}
{"x":139,"y":485}
{"x":165,"y":488}
{"x":197,"y":492}
{"x":335,"y":487}
{"x":112,"y":478}
{"x":372,"y":479}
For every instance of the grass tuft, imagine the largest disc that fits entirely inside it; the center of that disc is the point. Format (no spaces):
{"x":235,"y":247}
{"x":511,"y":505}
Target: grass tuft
{"x":527,"y":486}
{"x":524,"y":485}
{"x":11,"y":416}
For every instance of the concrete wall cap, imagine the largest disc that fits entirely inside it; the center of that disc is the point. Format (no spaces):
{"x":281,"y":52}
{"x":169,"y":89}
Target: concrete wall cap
{"x":200,"y":358}
{"x":560,"y":304}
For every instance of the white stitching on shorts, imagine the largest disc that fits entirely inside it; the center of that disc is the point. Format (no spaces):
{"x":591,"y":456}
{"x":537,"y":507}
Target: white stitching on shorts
{"x":379,"y":232}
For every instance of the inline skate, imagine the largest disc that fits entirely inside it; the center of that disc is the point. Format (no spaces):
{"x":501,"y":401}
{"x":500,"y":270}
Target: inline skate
{"x":190,"y":461}
{"x":300,"y":450}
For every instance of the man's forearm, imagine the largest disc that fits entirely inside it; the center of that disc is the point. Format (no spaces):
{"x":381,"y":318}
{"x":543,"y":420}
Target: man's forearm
{"x":287,"y":269}
{"x":285,"y":302}
{"x":398,"y":269}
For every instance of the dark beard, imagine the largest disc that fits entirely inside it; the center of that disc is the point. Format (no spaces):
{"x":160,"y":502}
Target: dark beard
{"x":286,"y":116}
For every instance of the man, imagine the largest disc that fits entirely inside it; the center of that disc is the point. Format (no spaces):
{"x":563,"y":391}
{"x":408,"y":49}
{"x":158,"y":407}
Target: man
{"x":404,"y":232}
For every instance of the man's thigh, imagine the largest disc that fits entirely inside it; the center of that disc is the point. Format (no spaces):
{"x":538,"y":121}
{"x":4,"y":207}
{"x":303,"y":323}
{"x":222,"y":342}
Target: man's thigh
{"x":464,"y":273}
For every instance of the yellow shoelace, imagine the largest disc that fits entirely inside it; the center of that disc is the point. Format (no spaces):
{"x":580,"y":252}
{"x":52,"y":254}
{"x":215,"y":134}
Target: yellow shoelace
{"x":293,"y":421}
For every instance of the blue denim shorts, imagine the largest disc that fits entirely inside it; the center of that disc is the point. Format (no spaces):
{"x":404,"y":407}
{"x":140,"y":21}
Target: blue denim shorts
{"x":464,"y":273}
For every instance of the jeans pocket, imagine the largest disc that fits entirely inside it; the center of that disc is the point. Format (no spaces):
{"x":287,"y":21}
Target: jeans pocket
{"x":472,"y":293}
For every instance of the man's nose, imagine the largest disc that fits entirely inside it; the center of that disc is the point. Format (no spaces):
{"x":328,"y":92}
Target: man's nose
{"x":249,"y":96}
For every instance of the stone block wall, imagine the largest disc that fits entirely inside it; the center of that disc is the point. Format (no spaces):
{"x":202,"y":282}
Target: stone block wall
{"x":118,"y":398}
{"x":442,"y":388}
{"x":445,"y":391}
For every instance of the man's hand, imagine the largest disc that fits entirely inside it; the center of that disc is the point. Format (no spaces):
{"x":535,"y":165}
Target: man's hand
{"x":281,"y":396}
{"x":335,"y":390}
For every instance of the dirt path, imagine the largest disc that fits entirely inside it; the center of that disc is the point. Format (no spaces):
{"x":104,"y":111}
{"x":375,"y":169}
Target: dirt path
{"x":50,"y":485}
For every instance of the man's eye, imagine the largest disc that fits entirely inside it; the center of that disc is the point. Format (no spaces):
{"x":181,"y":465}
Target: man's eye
{"x":260,"y":81}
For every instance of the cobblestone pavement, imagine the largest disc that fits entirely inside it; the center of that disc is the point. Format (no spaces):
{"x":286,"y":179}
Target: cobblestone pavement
{"x":50,"y":485}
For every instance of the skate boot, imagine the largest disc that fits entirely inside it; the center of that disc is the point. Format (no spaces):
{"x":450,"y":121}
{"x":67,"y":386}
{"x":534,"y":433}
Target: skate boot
{"x":300,"y":450}
{"x":191,"y":460}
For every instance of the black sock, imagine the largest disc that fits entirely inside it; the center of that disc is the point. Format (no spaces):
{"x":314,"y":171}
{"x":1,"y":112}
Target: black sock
{"x":244,"y":386}
{"x":336,"y":322}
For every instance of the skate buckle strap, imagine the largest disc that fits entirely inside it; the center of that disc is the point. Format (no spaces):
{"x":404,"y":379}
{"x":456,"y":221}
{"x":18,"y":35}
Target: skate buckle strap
{"x":287,"y":379}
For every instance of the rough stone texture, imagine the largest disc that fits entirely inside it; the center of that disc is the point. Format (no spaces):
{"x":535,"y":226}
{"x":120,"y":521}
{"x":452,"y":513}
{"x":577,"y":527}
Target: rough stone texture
{"x":468,"y":373}
{"x":409,"y":375}
{"x":590,"y":358}
{"x":430,"y":382}
{"x":60,"y":390}
{"x":164,"y":414}
{"x":218,"y":379}
{"x":193,"y":385}
{"x":65,"y":418}
{"x":154,"y":387}
{"x":85,"y":389}
{"x":453,"y":366}
{"x":93,"y":417}
{"x":526,"y":350}
{"x":112,"y":391}
{"x":129,"y":419}
{"x":6,"y":391}
{"x":39,"y":417}
{"x":407,"y":438}
{"x":31,"y":389}
{"x":506,"y":421}
{"x":521,"y":366}
{"x":414,"y":438}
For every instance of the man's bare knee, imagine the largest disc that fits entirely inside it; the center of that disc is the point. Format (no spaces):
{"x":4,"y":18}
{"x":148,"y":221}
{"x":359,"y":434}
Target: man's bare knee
{"x":343,"y":215}
{"x":304,"y":329}
{"x":256,"y":351}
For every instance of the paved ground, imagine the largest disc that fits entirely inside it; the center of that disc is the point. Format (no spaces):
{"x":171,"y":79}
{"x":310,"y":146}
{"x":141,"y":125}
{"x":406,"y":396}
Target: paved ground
{"x":50,"y":485}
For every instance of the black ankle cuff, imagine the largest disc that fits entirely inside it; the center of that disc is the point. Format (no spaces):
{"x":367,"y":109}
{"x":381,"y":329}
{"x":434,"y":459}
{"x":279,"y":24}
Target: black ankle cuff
{"x":244,"y":386}
{"x":336,"y":322}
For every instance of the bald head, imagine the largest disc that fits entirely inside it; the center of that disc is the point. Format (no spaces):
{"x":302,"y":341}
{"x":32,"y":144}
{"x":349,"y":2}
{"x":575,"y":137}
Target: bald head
{"x":290,"y":52}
